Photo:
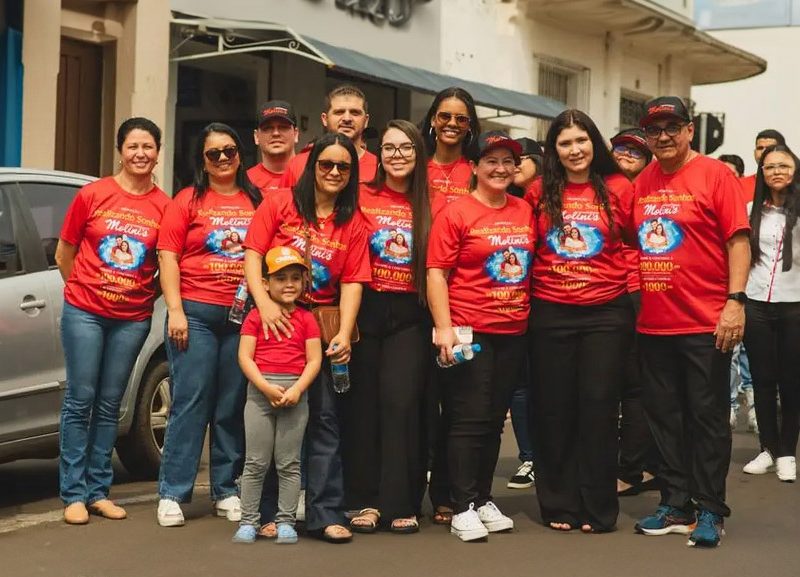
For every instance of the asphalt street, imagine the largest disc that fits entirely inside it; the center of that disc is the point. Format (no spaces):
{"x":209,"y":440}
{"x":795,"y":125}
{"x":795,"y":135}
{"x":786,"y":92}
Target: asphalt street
{"x":763,"y":537}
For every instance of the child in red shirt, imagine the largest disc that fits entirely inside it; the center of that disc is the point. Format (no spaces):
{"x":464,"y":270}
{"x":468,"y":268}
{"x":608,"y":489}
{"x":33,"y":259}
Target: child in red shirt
{"x":276,"y":412}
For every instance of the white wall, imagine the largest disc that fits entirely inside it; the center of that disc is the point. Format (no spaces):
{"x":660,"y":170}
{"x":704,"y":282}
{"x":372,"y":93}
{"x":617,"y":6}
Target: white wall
{"x":765,"y":101}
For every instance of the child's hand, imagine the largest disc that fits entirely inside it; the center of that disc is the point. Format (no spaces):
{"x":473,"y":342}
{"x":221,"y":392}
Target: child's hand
{"x":291,"y":397}
{"x":274,"y":394}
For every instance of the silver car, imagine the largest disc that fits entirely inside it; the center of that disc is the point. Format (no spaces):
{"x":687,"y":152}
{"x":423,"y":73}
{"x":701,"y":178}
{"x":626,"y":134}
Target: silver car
{"x":33,"y":204}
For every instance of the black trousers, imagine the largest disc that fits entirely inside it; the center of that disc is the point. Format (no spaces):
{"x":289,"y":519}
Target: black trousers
{"x":477,"y":395}
{"x":578,"y":357}
{"x":383,"y":442}
{"x":772,"y":339}
{"x":687,"y":398}
{"x":438,"y":427}
{"x":637,"y":450}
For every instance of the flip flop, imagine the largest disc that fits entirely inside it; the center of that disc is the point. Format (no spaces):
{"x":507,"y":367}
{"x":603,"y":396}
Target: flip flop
{"x":444,"y":517}
{"x":325,"y":536}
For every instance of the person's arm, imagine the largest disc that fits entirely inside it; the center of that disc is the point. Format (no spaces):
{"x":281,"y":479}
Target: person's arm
{"x":349,"y":303}
{"x":274,"y":317}
{"x":730,"y":327}
{"x":170,"y":278}
{"x":313,"y":364}
{"x":439,"y":303}
{"x":65,"y":258}
{"x":247,"y":353}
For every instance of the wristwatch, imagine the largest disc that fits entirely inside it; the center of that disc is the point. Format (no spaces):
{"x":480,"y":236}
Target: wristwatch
{"x":740,"y":297}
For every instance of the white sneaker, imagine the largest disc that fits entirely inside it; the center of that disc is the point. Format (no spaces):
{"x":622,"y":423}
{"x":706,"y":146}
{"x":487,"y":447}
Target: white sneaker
{"x":733,"y":419}
{"x":787,"y":469}
{"x":229,"y":507}
{"x":467,"y":526}
{"x":169,"y":513}
{"x":493,"y":519}
{"x":301,"y":507}
{"x":762,"y":464}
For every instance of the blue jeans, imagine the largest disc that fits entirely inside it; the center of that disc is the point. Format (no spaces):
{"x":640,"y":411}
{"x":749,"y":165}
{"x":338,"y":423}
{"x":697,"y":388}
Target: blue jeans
{"x":208,"y":390}
{"x":99,"y":354}
{"x":741,"y":380}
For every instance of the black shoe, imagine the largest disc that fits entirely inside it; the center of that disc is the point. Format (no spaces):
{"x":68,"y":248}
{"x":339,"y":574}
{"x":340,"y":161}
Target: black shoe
{"x":523,"y":478}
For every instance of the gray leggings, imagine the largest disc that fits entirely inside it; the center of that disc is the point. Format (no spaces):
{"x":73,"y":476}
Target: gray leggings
{"x":270,"y":431}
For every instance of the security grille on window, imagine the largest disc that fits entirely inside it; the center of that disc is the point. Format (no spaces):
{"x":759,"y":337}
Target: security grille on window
{"x":563,"y":82}
{"x":631,"y":111}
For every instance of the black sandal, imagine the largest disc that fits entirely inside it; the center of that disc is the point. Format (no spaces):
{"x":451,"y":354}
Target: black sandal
{"x":412,"y":525}
{"x":325,"y":536}
{"x":442,"y":516}
{"x":363,"y":515}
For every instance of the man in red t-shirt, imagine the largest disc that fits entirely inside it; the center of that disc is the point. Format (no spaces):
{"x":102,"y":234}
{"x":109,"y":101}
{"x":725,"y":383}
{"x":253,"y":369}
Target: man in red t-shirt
{"x":346,"y":112}
{"x":694,"y":250}
{"x":276,"y":136}
{"x":764,"y":140}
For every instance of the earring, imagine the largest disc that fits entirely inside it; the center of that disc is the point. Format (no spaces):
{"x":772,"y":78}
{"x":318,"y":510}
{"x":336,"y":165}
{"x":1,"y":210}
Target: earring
{"x":432,"y":132}
{"x":468,"y":138}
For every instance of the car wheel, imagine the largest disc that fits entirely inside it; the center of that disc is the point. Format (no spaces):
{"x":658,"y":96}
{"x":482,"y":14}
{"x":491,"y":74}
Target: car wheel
{"x":140,"y":450}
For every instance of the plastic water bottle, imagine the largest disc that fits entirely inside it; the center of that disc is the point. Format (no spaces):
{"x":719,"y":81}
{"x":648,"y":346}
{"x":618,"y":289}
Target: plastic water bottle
{"x":236,"y":315}
{"x":341,"y":377}
{"x":461,"y":353}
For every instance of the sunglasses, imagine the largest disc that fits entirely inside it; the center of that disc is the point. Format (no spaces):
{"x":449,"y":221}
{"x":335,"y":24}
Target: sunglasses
{"x":214,"y":154}
{"x":670,"y":130}
{"x":327,"y":166}
{"x":629,"y":151}
{"x":445,"y":117}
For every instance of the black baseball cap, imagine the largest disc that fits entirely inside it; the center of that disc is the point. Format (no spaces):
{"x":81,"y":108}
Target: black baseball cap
{"x":494,"y":139}
{"x":530,"y":147}
{"x":276,"y":109}
{"x":634,"y":136}
{"x":664,"y":107}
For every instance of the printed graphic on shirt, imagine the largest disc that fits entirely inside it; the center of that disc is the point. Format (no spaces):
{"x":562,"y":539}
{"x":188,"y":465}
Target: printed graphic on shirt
{"x":227,"y":242}
{"x":575,"y":240}
{"x":392,"y":245}
{"x":509,"y":265}
{"x":122,"y":252}
{"x":320,"y":275}
{"x":659,"y":236}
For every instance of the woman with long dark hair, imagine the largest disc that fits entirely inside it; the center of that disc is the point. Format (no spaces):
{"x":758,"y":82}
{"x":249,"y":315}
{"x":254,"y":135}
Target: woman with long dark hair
{"x":772,"y":338}
{"x":450,"y":130}
{"x":199,"y":277}
{"x":320,"y":218}
{"x":582,"y":327}
{"x":108,"y":302}
{"x":383,"y":466}
{"x":469,"y":243}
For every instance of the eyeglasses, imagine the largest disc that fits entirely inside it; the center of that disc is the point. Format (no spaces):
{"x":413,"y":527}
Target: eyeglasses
{"x":671,"y":129}
{"x":783,"y":168}
{"x":494,"y":164}
{"x":629,"y":151}
{"x":214,"y":154}
{"x":445,"y":117}
{"x":327,"y":166}
{"x":389,"y":150}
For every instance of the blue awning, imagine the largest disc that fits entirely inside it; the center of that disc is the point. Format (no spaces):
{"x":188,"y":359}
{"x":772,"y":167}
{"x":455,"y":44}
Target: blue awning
{"x":394,"y":74}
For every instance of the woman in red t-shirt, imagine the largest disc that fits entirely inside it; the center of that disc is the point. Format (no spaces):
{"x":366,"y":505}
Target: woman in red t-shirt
{"x":383,"y":468}
{"x":107,"y":257}
{"x":320,"y":218}
{"x":449,"y":129}
{"x":201,"y":267}
{"x":581,"y":325}
{"x":469,"y":285}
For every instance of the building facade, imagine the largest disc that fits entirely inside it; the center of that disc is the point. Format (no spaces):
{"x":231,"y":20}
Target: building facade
{"x":89,"y":64}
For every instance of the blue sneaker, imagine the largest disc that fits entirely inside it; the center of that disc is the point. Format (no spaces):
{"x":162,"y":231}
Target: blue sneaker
{"x":709,"y":530}
{"x":245,"y":534}
{"x":666,"y":520}
{"x":286,"y":534}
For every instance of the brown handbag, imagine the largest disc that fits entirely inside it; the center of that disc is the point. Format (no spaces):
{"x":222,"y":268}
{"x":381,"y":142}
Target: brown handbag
{"x":327,"y":316}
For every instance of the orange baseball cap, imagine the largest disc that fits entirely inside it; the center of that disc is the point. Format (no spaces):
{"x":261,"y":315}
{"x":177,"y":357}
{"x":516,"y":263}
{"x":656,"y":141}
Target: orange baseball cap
{"x":280,"y":257}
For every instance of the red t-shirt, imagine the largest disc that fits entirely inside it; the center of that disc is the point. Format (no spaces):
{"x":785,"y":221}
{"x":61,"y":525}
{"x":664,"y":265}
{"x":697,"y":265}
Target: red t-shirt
{"x":682,"y":222}
{"x":447,"y":182}
{"x":388,"y":216}
{"x":116,"y":234}
{"x":208,"y":238}
{"x":488,"y":252}
{"x":287,"y":356}
{"x":264,"y":178}
{"x":367,"y":166}
{"x":632,"y":259}
{"x":582,"y":262}
{"x":338,"y":253}
{"x":748,"y":187}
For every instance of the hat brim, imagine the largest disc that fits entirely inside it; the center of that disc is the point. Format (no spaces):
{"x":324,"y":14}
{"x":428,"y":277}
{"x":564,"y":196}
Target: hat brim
{"x":650,"y":119}
{"x":264,"y":119}
{"x":626,"y":139}
{"x":508,"y":143}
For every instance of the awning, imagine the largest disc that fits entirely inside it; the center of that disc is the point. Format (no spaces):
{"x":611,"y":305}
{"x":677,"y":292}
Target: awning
{"x":225,"y":36}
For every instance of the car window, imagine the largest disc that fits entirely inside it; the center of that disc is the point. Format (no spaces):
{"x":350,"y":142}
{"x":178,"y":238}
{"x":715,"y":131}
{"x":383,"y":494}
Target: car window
{"x":48,"y":204}
{"x":9,"y":254}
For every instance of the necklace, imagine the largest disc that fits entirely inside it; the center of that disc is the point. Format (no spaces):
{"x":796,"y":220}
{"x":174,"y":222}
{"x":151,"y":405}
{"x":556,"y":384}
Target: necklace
{"x":446,"y":176}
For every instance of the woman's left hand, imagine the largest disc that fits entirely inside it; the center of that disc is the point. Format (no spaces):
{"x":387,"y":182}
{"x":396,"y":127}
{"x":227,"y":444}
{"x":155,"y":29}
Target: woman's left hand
{"x":339,"y":349}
